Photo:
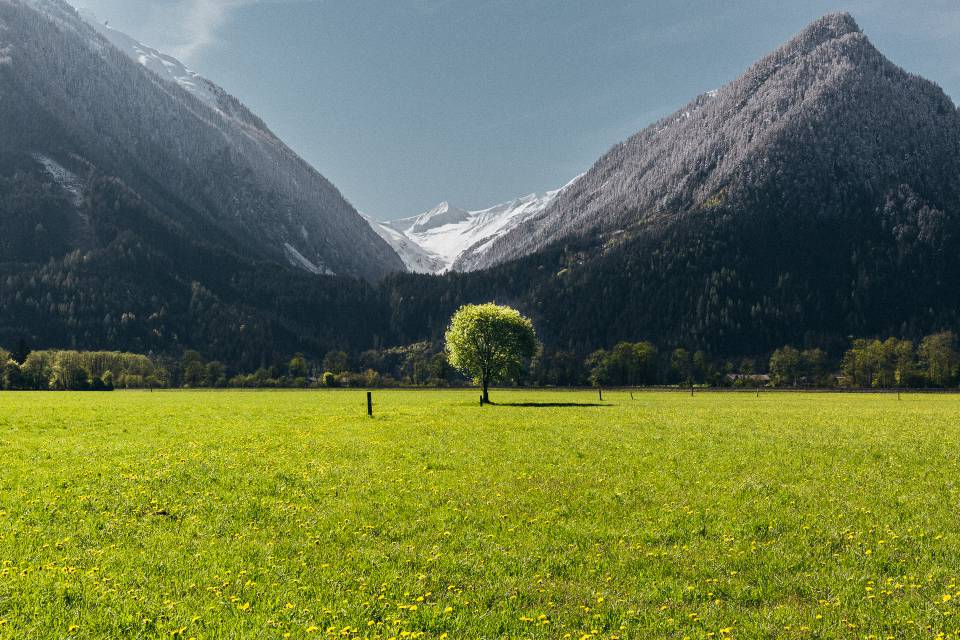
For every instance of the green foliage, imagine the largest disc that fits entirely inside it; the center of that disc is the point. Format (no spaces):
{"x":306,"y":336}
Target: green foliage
{"x":68,"y":372}
{"x":627,"y":364}
{"x":298,"y":367}
{"x":215,"y":374}
{"x":83,"y":370}
{"x":893,"y":363}
{"x":559,"y":369}
{"x":938,"y":353}
{"x":336,"y":362}
{"x":490,"y":343}
{"x":786,"y":367}
{"x":681,"y":364}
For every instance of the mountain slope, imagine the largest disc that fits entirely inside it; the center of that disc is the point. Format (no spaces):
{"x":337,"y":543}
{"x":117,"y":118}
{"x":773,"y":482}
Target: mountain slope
{"x":167,"y":67}
{"x":826,"y":111}
{"x":447,"y":238}
{"x":135,"y":216}
{"x":814,"y":198}
{"x":198,"y":156}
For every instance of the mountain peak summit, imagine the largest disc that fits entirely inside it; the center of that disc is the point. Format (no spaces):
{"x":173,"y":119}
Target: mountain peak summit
{"x":825,"y":106}
{"x":830,"y":27}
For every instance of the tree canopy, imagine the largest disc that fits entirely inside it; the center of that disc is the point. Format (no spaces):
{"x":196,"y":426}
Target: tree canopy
{"x":490,"y":343}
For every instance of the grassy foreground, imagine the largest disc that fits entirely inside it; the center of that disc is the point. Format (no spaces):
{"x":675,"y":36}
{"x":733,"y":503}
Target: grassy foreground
{"x":291,"y":514}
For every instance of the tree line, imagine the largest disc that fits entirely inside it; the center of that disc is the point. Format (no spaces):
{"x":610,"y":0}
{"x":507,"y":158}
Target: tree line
{"x":934,"y":362}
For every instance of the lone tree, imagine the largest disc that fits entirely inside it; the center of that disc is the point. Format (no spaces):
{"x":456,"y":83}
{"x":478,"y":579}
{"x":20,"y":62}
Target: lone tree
{"x":490,"y":343}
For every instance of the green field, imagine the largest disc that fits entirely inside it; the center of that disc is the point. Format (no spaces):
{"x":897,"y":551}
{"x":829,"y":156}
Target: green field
{"x":292,"y":514}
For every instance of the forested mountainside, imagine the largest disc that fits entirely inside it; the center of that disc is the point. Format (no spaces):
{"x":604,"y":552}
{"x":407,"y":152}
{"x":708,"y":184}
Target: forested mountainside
{"x":133,"y":213}
{"x":814,"y":198}
{"x":76,"y":109}
{"x":821,"y":127}
{"x":140,"y":286}
{"x":730,"y":283}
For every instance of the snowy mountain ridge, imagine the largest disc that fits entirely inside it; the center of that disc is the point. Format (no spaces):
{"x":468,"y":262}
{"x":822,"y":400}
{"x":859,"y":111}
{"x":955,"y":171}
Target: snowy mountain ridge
{"x":441,"y":239}
{"x":165,"y":66}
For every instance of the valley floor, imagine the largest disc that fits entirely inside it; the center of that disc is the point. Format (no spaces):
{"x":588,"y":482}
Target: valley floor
{"x":292,"y":514}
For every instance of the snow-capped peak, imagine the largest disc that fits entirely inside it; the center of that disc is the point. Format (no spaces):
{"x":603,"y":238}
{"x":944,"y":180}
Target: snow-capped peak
{"x":434,"y":241}
{"x":441,"y":215}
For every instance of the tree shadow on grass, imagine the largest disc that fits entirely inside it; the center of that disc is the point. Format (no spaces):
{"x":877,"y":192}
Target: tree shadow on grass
{"x":548,"y":405}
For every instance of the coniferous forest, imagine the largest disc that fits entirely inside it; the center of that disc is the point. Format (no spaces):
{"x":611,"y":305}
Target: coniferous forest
{"x":813,"y":201}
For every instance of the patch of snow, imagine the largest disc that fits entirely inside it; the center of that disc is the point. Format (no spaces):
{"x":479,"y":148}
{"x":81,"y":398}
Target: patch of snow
{"x":297,"y":259}
{"x":433,"y":241}
{"x":167,"y":67}
{"x":415,"y":258}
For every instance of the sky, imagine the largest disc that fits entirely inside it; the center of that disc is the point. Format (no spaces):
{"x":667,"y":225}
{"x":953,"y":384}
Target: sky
{"x":406,"y":103}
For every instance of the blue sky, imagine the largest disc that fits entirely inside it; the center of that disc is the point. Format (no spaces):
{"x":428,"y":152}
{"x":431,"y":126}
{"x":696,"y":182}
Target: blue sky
{"x":404,"y":103}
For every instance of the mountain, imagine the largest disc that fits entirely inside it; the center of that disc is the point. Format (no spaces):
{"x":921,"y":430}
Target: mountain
{"x":815,"y":197}
{"x":415,"y":258}
{"x":447,"y":238}
{"x":823,"y":120}
{"x":91,"y":101}
{"x":163,"y":65}
{"x":154,"y":212}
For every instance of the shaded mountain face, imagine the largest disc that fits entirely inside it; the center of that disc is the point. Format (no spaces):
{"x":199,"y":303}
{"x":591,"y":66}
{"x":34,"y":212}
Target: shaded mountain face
{"x":822,"y":123}
{"x":75,"y":107}
{"x":137,"y":214}
{"x":814,"y":198}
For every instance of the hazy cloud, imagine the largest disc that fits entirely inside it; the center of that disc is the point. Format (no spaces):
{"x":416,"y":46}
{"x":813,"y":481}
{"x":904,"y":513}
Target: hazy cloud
{"x":201,"y":21}
{"x":183,"y":28}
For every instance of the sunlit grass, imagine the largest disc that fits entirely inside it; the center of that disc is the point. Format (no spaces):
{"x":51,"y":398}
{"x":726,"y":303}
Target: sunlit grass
{"x":257,"y":515}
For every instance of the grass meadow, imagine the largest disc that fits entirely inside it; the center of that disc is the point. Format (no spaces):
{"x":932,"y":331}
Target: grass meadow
{"x":291,"y":514}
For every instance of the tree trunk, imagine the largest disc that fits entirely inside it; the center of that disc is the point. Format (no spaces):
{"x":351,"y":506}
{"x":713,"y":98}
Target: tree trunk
{"x":486,"y":390}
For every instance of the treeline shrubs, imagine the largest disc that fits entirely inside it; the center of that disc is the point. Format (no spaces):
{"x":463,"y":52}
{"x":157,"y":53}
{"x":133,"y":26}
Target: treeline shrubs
{"x":897,"y":363}
{"x":874,"y":364}
{"x":80,"y":371}
{"x":868,"y":364}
